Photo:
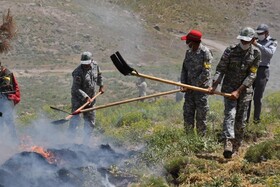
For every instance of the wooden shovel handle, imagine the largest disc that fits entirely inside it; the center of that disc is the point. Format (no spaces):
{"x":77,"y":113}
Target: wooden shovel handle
{"x":129,"y":100}
{"x":83,"y":106}
{"x":180,"y":84}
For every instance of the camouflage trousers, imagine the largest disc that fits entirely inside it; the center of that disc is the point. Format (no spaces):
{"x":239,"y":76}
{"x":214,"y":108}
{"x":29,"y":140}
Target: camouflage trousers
{"x":7,"y":109}
{"x":195,"y":109}
{"x":89,"y":122}
{"x":235,"y":114}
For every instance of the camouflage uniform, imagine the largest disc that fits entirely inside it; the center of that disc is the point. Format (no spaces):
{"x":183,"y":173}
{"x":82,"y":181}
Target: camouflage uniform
{"x":237,"y":67}
{"x":84,"y":86}
{"x":196,"y":72}
{"x":9,"y":97}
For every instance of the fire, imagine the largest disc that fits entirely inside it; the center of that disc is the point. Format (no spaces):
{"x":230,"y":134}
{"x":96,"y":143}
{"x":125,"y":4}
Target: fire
{"x":48,"y":155}
{"x":27,"y":144}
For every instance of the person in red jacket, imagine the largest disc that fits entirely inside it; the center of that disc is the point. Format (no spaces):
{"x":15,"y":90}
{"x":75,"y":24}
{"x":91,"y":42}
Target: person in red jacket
{"x":9,"y":97}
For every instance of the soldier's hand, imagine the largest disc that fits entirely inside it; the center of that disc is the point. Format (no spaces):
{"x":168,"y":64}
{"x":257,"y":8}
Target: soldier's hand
{"x":101,"y":89}
{"x":234,"y":95}
{"x":254,"y":42}
{"x":89,"y":99}
{"x":211,"y":90}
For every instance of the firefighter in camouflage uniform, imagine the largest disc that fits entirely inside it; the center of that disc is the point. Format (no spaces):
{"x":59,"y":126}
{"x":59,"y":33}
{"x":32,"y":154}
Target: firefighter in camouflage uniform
{"x":196,"y":72}
{"x":237,"y":68}
{"x":86,"y":77}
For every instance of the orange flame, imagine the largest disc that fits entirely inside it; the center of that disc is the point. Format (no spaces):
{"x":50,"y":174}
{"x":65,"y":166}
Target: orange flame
{"x":48,"y":155}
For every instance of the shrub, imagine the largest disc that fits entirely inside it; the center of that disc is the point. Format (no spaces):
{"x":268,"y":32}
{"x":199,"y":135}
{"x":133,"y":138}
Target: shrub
{"x":269,"y":149}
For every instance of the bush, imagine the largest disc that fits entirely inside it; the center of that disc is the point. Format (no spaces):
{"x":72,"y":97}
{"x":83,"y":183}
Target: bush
{"x":269,"y":149}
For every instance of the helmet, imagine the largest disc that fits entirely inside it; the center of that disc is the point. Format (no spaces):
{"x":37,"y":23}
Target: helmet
{"x":86,"y":57}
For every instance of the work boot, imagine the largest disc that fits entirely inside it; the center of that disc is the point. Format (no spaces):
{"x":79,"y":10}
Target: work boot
{"x":227,"y":148}
{"x":235,"y":148}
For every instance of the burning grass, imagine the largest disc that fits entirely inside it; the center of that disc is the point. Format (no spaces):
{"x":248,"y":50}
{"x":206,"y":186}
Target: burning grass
{"x":65,"y":165}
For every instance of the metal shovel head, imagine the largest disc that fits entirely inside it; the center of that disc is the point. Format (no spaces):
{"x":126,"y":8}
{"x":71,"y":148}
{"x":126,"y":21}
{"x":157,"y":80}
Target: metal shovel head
{"x":121,"y":64}
{"x":59,"y":122}
{"x":58,"y":109}
{"x":118,"y":64}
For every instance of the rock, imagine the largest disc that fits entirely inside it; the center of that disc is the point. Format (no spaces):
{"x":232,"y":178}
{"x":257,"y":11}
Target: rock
{"x":157,"y":28}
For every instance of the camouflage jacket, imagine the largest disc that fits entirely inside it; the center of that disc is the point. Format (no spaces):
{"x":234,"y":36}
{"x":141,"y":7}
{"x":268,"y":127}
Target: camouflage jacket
{"x":237,"y":67}
{"x":196,"y":70}
{"x":85,"y":81}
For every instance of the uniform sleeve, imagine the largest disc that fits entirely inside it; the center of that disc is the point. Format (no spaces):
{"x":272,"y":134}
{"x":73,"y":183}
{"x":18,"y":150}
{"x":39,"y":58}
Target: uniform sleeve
{"x":253,"y":69}
{"x":268,"y":50}
{"x":204,"y":77}
{"x":184,"y":72}
{"x":76,"y":89}
{"x":222,"y":66}
{"x":99,"y":77}
{"x":16,"y":96}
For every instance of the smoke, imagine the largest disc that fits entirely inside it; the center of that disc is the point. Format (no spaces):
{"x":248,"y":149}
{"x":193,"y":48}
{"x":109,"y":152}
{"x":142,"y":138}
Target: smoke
{"x":64,"y":162}
{"x":122,"y":29}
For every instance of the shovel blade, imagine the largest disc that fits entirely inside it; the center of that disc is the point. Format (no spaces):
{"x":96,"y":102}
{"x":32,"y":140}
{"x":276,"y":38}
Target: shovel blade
{"x":121,"y":64}
{"x":118,"y":64}
{"x":59,"y":122}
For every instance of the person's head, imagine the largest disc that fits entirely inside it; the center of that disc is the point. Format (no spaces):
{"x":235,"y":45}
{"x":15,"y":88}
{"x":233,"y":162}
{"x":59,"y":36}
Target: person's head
{"x":246,"y":37}
{"x":193,"y":39}
{"x":262,"y":31}
{"x":86,"y":59}
{"x":142,"y":79}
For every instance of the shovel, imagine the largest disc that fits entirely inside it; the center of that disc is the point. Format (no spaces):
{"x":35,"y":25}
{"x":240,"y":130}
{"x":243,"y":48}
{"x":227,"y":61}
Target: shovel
{"x":126,"y":101}
{"x":60,"y":110}
{"x":61,"y":121}
{"x":125,"y":69}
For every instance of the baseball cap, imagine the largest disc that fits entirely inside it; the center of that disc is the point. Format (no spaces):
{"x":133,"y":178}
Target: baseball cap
{"x":262,"y":28}
{"x":193,"y":35}
{"x":246,"y":34}
{"x":86,"y":57}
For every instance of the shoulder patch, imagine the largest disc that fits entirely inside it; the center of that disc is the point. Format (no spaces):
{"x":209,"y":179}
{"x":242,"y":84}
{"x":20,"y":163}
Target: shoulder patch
{"x":207,"y":65}
{"x":253,"y":69}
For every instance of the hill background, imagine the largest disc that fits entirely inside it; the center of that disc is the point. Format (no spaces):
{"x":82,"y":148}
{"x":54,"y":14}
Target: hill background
{"x":52,"y":34}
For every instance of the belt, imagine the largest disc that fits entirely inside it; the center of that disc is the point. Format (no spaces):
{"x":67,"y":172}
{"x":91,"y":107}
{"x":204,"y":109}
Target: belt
{"x":263,"y":67}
